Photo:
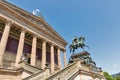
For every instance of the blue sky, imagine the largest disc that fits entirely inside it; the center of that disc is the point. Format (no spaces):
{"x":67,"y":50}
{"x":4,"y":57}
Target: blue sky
{"x":97,"y":20}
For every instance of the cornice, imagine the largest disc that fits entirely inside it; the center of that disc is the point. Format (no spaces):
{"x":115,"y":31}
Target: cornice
{"x":37,"y":20}
{"x":21,"y":21}
{"x":30,"y":29}
{"x":91,"y":73}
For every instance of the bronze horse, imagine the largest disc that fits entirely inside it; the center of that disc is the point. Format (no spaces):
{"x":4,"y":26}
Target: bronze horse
{"x":77,"y":43}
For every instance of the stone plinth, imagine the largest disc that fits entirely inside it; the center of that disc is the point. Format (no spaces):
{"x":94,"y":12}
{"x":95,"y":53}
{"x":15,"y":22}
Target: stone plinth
{"x":79,"y":55}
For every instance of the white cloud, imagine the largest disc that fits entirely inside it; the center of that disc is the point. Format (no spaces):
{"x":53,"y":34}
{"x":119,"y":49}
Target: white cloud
{"x":115,"y":65}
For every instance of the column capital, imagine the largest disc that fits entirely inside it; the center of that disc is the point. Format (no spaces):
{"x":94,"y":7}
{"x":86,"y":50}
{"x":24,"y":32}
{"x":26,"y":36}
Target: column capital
{"x":23,"y":30}
{"x":64,"y":50}
{"x":8,"y":22}
{"x":44,"y":40}
{"x":51,"y":44}
{"x":58,"y":47}
{"x":34,"y":35}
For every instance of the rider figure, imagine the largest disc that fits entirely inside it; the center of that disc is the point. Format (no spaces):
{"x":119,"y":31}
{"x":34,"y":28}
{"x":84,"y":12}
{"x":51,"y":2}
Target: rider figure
{"x":75,"y":42}
{"x":87,"y":59}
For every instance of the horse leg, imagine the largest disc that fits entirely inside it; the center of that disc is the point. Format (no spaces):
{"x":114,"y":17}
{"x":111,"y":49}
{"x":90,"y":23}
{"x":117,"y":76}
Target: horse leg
{"x":70,"y":47}
{"x":83,"y":48}
{"x":73,"y":51}
{"x":87,"y":46}
{"x":70,"y":50}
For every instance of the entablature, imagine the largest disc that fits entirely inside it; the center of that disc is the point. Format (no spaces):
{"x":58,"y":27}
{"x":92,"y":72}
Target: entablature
{"x":7,"y":13}
{"x":38,"y":21}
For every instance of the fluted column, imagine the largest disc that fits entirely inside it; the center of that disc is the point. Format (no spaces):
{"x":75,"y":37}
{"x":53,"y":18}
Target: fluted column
{"x":43,"y":54}
{"x":4,"y":40}
{"x":33,"y":52}
{"x":59,"y":59}
{"x":52,"y":66}
{"x":20,"y":47}
{"x":64,"y":54}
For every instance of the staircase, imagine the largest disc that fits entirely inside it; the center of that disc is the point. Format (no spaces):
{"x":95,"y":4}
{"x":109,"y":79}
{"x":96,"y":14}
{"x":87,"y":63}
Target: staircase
{"x":70,"y":72}
{"x":31,"y":68}
{"x":74,"y":69}
{"x":66,"y":73}
{"x":34,"y":72}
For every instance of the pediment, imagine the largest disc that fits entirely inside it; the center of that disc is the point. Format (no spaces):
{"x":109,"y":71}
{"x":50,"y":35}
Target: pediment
{"x":40,"y":22}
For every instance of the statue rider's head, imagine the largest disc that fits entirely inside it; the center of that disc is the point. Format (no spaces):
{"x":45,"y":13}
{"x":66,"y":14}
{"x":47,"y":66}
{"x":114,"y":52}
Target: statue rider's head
{"x":75,"y":38}
{"x":82,"y":37}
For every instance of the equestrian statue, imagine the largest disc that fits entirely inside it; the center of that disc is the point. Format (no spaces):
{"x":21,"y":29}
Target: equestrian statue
{"x":77,"y":43}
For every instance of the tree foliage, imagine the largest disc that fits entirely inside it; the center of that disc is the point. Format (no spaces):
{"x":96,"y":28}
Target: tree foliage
{"x":108,"y":77}
{"x":117,"y":77}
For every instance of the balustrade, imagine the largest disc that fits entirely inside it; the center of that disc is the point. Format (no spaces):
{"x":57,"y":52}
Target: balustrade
{"x":66,"y":73}
{"x":7,"y":64}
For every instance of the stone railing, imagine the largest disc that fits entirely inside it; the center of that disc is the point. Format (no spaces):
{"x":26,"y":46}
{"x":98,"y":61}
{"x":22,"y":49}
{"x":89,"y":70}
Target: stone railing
{"x":8,"y":64}
{"x":38,"y":76}
{"x":85,"y":68}
{"x":95,"y":69}
{"x":31,"y":68}
{"x":91,"y":68}
{"x":66,"y":73}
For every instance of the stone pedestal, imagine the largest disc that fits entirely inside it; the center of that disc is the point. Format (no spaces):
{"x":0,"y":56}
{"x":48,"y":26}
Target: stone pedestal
{"x":79,"y":55}
{"x":85,"y":60}
{"x":83,"y":57}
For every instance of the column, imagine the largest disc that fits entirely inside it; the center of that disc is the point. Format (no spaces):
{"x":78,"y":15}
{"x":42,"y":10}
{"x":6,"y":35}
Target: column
{"x":43,"y":54}
{"x":4,"y":40}
{"x":59,"y":59}
{"x":52,"y":66}
{"x":64,"y":54}
{"x":33,"y":52}
{"x":20,"y":47}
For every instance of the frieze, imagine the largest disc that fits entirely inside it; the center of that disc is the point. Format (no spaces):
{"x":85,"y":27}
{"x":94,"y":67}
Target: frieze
{"x":37,"y":21}
{"x":18,"y":21}
{"x":39,"y":32}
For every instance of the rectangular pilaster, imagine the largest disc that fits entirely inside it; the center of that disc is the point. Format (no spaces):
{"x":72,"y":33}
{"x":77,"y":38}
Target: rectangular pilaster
{"x":52,"y":66}
{"x":64,"y":54}
{"x":43,"y":54}
{"x":20,"y":47}
{"x":4,"y":40}
{"x":33,"y":52}
{"x":59,"y":59}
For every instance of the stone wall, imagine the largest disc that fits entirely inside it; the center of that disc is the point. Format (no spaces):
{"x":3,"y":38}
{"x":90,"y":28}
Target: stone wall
{"x":10,"y":75}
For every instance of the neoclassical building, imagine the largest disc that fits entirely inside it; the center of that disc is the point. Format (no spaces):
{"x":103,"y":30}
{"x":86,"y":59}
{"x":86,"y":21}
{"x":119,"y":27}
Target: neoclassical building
{"x":30,"y":49}
{"x":23,"y":33}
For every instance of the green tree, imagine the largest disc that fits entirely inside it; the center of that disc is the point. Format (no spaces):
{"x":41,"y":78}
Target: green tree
{"x":108,"y":77}
{"x":117,"y":77}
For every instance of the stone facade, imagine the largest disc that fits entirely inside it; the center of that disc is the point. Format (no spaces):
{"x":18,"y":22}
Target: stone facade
{"x":30,"y":49}
{"x":23,"y":33}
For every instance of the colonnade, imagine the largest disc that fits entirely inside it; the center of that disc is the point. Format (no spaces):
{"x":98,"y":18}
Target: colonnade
{"x":3,"y":45}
